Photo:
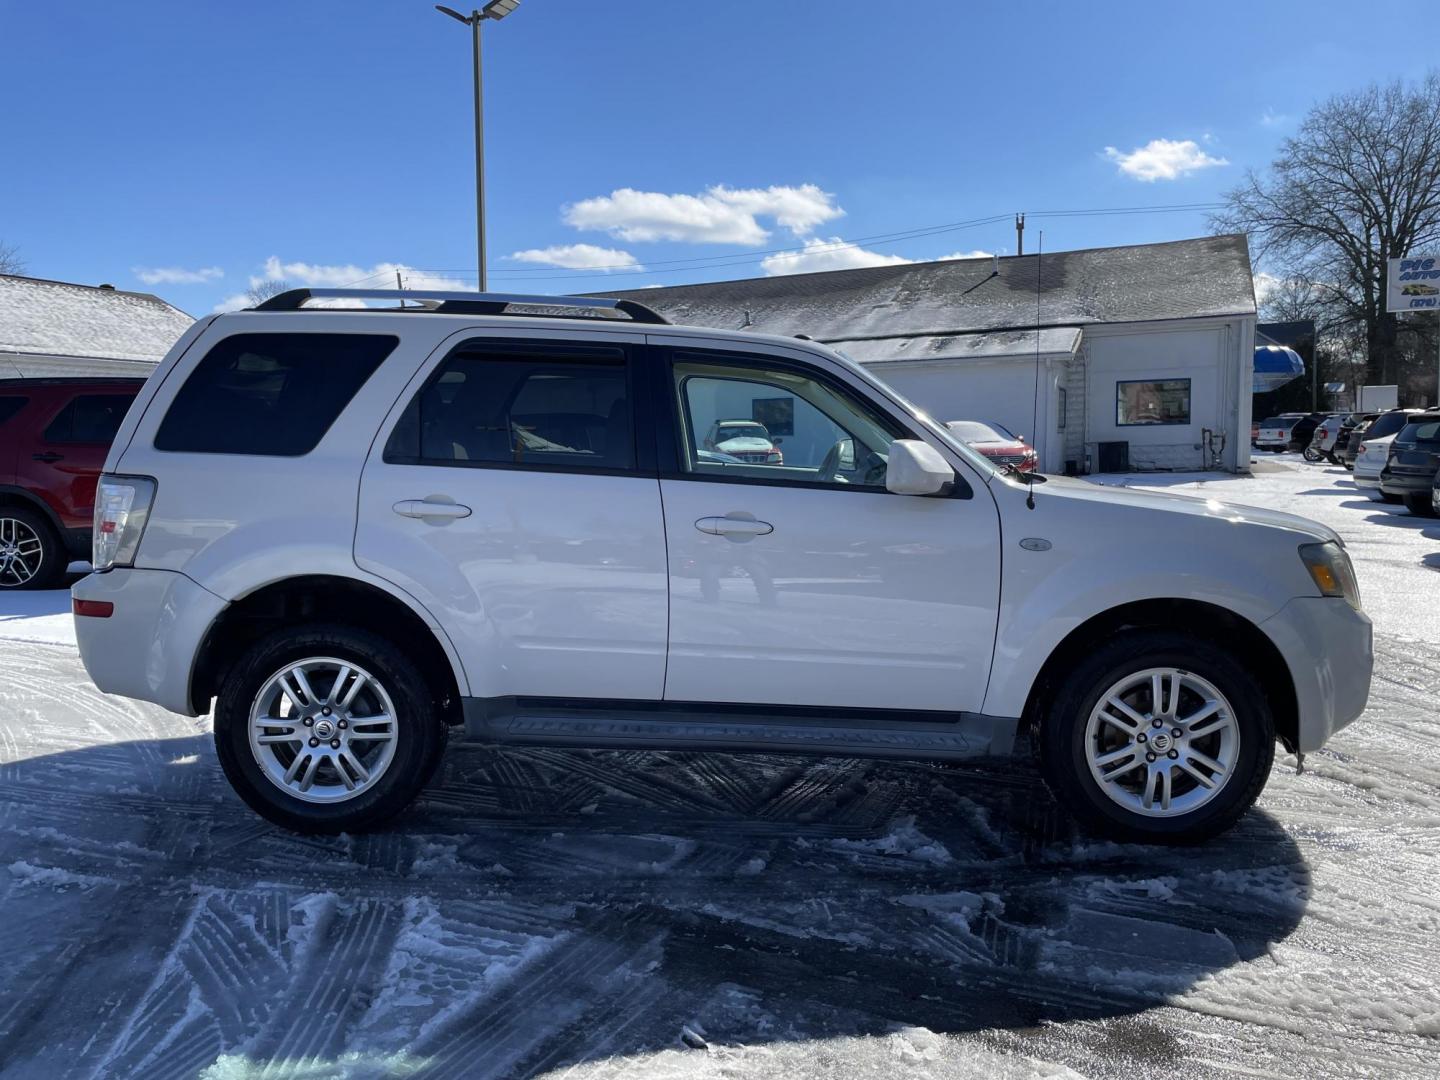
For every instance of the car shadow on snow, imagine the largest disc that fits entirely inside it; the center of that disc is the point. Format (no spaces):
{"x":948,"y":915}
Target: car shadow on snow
{"x":540,"y":908}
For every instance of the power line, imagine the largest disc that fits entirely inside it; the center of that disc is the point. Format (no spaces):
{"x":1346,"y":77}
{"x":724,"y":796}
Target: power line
{"x":708,"y":262}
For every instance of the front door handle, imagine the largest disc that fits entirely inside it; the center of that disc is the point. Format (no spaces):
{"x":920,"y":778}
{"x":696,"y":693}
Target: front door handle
{"x":426,"y":509}
{"x":740,"y":528}
{"x":47,"y":457}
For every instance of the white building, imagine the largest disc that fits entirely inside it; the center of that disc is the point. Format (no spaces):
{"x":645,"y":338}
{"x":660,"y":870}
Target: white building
{"x":54,"y":328}
{"x":1149,"y":346}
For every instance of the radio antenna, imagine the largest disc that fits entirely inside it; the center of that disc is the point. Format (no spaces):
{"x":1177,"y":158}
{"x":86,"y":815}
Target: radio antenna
{"x":1035,"y":398}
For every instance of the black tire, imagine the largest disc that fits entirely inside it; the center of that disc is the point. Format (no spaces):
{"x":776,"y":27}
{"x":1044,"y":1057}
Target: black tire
{"x":1311,"y":455}
{"x":420,"y":732}
{"x":1062,"y":736}
{"x":1419,"y":504}
{"x":1387,"y":497}
{"x":23,"y":521}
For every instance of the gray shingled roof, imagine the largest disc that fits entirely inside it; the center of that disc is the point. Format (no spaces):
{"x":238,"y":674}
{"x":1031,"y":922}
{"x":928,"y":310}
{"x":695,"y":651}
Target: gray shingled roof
{"x":55,"y":318}
{"x":1183,"y":279}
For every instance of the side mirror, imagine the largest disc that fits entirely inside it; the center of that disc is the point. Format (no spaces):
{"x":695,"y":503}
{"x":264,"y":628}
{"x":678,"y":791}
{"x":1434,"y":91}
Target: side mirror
{"x":916,"y":468}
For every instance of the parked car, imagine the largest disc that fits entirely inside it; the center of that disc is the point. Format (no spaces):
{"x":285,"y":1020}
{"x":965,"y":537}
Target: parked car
{"x":54,"y":434}
{"x":321,"y":521}
{"x":1414,"y":460}
{"x":995,"y":442}
{"x":1323,"y":438}
{"x":1374,"y":453}
{"x":746,"y":440}
{"x":1387,"y":423}
{"x":1347,"y":446}
{"x":1275,"y":431}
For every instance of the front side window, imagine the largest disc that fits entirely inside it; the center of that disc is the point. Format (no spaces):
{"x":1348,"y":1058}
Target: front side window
{"x":775,"y":424}
{"x":1162,"y":401}
{"x":272,"y":394}
{"x":521,"y":405}
{"x":89,"y":419}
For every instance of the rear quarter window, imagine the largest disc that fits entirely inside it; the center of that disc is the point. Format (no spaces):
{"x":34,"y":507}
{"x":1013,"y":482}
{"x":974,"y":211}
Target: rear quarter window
{"x":273,"y":394}
{"x":89,"y":419}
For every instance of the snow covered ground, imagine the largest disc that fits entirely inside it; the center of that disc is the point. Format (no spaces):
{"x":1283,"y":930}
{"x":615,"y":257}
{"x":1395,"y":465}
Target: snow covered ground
{"x":625,"y":914}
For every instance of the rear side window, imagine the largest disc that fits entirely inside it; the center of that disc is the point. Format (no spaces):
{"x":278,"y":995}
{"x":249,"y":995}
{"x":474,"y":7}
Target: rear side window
{"x":1425,"y":431}
{"x":562,"y":407}
{"x":1387,"y":424}
{"x":9,"y":406}
{"x":89,"y":418}
{"x":272,"y":394}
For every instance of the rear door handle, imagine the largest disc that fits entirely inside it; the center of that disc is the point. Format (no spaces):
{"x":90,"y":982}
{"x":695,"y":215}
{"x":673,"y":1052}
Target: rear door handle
{"x":428,"y":509}
{"x":48,"y":456}
{"x":737,"y":527}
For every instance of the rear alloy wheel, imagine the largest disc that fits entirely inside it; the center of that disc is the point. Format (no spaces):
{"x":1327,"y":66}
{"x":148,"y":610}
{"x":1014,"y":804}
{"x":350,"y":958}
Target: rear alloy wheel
{"x":1420,"y":505}
{"x":327,"y":729}
{"x":31,"y":556}
{"x":1158,"y":736}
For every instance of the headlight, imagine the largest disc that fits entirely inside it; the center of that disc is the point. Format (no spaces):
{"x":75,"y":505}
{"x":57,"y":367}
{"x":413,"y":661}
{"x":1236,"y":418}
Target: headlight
{"x":122,"y":506}
{"x":1330,"y":569}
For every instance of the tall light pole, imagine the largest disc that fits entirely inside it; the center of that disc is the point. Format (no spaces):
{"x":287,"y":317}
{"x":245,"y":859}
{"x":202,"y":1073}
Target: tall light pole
{"x":497,"y":10}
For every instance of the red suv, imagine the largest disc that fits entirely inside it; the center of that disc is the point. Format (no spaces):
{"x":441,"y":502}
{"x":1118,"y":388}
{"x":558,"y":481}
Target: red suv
{"x":54,"y":435}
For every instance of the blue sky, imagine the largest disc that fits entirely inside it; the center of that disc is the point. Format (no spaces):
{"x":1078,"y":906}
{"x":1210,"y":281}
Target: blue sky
{"x":187,"y":148}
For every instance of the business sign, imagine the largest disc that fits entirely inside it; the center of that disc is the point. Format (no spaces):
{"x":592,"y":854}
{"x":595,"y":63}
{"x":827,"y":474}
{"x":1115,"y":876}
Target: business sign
{"x":1413,"y":284}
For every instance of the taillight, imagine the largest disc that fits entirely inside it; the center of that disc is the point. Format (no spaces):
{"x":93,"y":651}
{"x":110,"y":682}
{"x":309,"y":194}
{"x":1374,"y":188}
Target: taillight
{"x":122,"y":507}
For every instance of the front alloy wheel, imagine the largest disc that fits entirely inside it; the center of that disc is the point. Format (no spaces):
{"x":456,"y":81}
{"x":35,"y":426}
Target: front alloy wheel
{"x":1158,"y":735}
{"x":1162,"y":742}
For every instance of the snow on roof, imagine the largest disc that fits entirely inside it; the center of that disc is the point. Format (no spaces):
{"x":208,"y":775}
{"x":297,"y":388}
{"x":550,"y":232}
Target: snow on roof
{"x":1001,"y":345}
{"x":56,"y":318}
{"x":1183,"y":279}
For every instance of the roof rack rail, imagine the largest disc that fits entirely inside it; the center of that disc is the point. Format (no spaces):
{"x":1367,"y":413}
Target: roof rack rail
{"x":461,"y":303}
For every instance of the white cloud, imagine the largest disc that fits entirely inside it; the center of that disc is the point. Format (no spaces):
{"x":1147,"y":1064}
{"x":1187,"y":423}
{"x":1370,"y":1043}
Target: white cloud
{"x":1270,"y":118}
{"x":1265,"y":285}
{"x":233,"y":302}
{"x":579,"y":257}
{"x":1163,"y":159}
{"x":976,"y":254}
{"x":832,"y":254}
{"x":177,"y":275}
{"x":719,"y":215}
{"x":338,"y":276}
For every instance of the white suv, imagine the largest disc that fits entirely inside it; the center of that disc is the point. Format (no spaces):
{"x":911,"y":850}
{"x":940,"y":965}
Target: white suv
{"x":353,"y":529}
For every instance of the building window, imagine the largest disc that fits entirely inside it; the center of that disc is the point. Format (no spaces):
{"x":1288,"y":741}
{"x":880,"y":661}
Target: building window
{"x":1064,"y":408}
{"x":1146,"y":402}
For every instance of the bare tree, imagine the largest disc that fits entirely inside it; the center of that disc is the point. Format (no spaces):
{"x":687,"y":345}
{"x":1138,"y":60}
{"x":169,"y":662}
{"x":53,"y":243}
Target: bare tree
{"x":10,"y":261}
{"x":1358,"y":184}
{"x":261,"y":292}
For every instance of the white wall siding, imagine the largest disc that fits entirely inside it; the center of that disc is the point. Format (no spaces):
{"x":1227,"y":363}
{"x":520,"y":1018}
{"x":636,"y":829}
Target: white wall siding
{"x":1159,"y":352}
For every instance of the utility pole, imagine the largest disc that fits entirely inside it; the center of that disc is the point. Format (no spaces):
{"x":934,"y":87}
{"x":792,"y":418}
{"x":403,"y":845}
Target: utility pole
{"x":495,"y":9}
{"x":1019,"y":234}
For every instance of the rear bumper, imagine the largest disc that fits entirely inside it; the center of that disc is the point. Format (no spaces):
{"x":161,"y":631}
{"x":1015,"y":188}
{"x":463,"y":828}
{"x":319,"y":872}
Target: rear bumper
{"x":146,"y":649}
{"x":1367,"y":480}
{"x":1393,"y":483}
{"x":1328,"y":647}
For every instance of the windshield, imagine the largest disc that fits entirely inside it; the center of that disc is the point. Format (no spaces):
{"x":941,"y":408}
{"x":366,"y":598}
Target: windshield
{"x":976,"y":460}
{"x":740,"y":431}
{"x":974,"y":431}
